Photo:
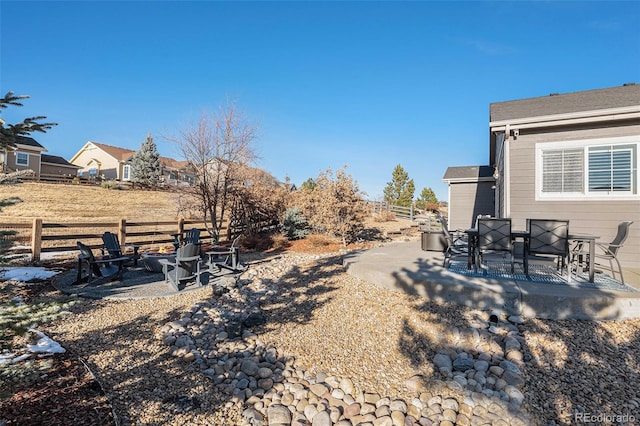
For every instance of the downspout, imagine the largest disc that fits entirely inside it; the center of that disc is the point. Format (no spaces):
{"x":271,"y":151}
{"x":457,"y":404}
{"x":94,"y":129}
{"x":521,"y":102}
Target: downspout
{"x":506,"y":172}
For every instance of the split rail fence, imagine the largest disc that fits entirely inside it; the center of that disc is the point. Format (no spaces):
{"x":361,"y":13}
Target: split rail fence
{"x":39,"y":237}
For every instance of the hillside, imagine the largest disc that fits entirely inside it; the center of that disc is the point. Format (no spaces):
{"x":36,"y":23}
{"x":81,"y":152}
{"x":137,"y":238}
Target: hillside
{"x":76,"y":202}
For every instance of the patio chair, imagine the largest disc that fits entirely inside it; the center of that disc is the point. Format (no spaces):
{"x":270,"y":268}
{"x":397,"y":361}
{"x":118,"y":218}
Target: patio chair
{"x":548,"y":237}
{"x":190,"y":236}
{"x":494,"y":235}
{"x":113,"y":249}
{"x":225,"y":257}
{"x":457,"y":244}
{"x":608,"y":252}
{"x":98,"y":268}
{"x":184,"y":269}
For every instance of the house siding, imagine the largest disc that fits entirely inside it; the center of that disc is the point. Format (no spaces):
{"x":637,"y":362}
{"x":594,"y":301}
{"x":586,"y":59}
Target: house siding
{"x":95,"y":157}
{"x":34,"y":161}
{"x":597,"y":217}
{"x":470,"y":199}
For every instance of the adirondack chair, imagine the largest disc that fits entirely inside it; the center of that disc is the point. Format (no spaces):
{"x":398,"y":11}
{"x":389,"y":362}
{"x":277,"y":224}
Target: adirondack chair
{"x":96,"y":268}
{"x":191,"y":236}
{"x":113,"y":249}
{"x":185,"y":268}
{"x":225,"y":257}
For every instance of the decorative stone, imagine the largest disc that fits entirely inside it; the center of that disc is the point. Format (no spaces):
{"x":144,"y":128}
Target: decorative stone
{"x":278,"y":415}
{"x":463,"y":364}
{"x":322,"y":419}
{"x":415,"y":383}
{"x":442,"y":361}
{"x":249,"y":367}
{"x":347,"y":386}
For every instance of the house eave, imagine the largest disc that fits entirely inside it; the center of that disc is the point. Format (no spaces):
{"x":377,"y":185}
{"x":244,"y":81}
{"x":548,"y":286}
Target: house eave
{"x":594,"y":116}
{"x":469,"y":180}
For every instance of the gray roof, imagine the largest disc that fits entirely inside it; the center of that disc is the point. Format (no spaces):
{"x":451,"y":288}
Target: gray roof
{"x":613,"y":97}
{"x":468,"y":173}
{"x":54,"y":159}
{"x":25,"y":140}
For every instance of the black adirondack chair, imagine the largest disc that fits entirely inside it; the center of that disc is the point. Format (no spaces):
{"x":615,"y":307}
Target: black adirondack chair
{"x":98,"y":268}
{"x":113,"y":249}
{"x":185,"y":269}
{"x":190,"y":236}
{"x":225,"y":257}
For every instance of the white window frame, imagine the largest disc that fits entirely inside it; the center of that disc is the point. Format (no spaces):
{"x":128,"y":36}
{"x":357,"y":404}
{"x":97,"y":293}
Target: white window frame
{"x":18,"y":163}
{"x":126,"y":172}
{"x":585,"y":144}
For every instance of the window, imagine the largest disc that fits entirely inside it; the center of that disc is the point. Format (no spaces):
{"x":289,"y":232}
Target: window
{"x":611,"y":168}
{"x":22,"y":159}
{"x":587,"y":169}
{"x":93,"y":172}
{"x":562,"y":171}
{"x":126,"y":170}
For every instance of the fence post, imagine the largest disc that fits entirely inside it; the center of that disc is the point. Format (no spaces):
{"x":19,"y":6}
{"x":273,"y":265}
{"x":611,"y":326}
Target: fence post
{"x":181,"y":226}
{"x":36,"y":239}
{"x":411,"y":213}
{"x":122,"y":231}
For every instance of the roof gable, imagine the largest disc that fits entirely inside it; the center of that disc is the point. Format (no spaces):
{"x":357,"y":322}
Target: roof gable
{"x":30,"y":142}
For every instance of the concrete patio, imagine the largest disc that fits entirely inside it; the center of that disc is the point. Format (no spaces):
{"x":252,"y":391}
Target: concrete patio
{"x":404,"y":266}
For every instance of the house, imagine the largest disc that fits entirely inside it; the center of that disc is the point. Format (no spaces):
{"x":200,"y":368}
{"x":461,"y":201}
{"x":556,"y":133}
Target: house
{"x":112,"y":162}
{"x":28,"y":155}
{"x":25,"y":155}
{"x":564,"y":156}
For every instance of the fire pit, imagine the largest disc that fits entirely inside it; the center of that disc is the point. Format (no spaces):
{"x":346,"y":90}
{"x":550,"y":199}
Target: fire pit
{"x":151,"y":260}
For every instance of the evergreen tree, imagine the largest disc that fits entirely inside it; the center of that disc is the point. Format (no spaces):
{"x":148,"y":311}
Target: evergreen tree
{"x":400,"y":190}
{"x":8,"y":132}
{"x":145,"y":167}
{"x":427,"y":199}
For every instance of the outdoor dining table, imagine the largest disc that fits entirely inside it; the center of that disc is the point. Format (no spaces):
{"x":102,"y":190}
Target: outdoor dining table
{"x":472,"y":234}
{"x":591,"y":239}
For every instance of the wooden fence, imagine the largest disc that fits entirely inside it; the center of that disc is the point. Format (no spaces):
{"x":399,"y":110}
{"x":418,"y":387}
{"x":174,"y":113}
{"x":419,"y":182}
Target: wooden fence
{"x":39,"y":237}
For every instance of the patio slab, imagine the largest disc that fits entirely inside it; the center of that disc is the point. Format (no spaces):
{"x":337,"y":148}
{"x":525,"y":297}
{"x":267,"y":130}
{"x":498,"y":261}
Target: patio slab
{"x":404,"y":266}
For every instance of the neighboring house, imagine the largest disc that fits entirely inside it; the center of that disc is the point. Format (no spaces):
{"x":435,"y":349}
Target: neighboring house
{"x":105,"y":161}
{"x":26,"y":155}
{"x":112,"y":162}
{"x":565,"y":156}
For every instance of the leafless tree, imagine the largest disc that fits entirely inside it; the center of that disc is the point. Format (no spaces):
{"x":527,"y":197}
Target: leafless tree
{"x":218,"y":146}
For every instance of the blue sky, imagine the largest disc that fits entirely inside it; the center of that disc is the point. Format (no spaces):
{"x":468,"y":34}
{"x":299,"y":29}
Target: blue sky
{"x":365,"y":84}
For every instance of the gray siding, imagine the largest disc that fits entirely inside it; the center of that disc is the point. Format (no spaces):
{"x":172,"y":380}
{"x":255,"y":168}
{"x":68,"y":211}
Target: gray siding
{"x":593,"y":217}
{"x":468,"y":200}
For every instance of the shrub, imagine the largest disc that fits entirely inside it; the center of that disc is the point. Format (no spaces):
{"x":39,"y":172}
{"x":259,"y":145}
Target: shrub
{"x":384,"y":216}
{"x":109,"y":184}
{"x":294,"y":224}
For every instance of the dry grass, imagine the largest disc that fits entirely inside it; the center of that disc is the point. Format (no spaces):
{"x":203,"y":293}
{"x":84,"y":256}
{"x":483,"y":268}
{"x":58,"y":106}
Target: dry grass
{"x":68,"y":203}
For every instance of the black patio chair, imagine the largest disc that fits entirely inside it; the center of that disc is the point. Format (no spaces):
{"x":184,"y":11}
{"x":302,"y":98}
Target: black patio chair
{"x":113,"y":249}
{"x":457,"y":244}
{"x":106,"y":267}
{"x":607,"y":251}
{"x":494,"y":235}
{"x":184,"y":269}
{"x":548,"y":237}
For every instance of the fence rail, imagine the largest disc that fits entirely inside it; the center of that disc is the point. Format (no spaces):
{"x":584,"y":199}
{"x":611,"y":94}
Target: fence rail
{"x":39,"y":237}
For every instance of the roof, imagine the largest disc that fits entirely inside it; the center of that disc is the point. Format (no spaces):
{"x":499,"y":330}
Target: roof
{"x":590,"y":100}
{"x":468,"y":173}
{"x":118,"y":153}
{"x":25,"y":140}
{"x":54,"y":159}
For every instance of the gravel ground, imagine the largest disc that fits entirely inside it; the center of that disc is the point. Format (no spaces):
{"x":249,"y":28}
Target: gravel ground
{"x":332,"y":323}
